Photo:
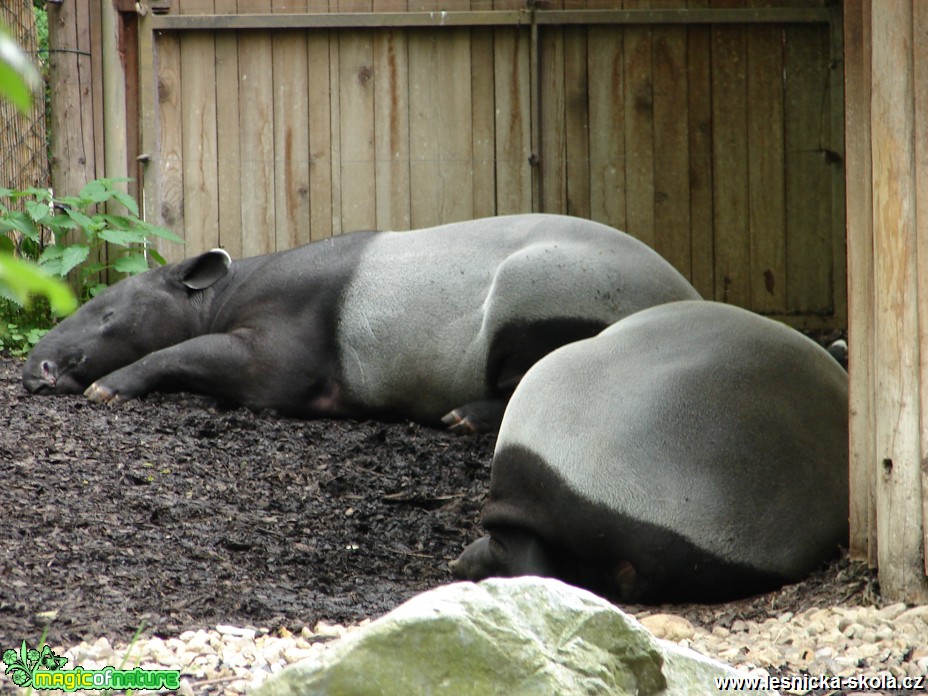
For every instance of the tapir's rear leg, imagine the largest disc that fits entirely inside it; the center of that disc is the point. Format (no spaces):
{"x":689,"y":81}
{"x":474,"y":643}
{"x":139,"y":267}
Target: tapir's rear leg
{"x":508,"y":552}
{"x":476,"y":417}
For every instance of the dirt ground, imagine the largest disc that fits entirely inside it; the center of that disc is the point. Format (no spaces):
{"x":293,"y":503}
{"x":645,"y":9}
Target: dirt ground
{"x":179,"y":514}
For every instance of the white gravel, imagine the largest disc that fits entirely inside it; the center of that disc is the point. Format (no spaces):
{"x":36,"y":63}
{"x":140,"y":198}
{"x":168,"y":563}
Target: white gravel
{"x":832,"y":641}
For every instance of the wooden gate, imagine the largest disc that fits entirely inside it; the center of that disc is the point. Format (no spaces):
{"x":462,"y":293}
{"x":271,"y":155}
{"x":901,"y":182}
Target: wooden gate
{"x":713,"y":134}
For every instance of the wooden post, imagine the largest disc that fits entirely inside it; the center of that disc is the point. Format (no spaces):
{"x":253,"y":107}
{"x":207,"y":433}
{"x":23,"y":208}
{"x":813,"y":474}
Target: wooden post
{"x":920,"y":82}
{"x":897,"y":306}
{"x":72,"y":123}
{"x":860,"y":280}
{"x":115,"y":155}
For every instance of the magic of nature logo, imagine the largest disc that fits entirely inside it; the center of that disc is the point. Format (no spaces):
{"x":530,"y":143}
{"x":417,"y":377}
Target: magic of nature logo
{"x":44,"y":670}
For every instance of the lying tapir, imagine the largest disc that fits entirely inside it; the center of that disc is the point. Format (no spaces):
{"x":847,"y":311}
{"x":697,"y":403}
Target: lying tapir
{"x":423,"y":325}
{"x":691,"y":452}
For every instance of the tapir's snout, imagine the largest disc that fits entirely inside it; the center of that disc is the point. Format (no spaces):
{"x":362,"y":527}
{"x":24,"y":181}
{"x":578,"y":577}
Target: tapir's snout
{"x":45,"y":376}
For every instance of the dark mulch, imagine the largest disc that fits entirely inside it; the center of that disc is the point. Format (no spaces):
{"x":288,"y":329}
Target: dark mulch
{"x":180,"y":514}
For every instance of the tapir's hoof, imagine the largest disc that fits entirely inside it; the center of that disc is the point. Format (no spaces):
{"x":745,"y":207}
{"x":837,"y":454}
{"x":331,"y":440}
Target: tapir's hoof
{"x":476,"y":418}
{"x":457,"y":423}
{"x":99,"y":394}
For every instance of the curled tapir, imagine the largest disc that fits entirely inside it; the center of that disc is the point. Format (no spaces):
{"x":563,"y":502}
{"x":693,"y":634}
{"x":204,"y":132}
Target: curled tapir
{"x":691,"y":452}
{"x":433,"y":323}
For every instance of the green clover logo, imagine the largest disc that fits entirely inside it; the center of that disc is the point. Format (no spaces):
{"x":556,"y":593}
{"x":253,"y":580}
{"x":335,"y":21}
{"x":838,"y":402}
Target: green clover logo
{"x":22,"y":665}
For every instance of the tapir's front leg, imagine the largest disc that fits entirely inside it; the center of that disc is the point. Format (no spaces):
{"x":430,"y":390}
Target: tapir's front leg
{"x":220,"y":365}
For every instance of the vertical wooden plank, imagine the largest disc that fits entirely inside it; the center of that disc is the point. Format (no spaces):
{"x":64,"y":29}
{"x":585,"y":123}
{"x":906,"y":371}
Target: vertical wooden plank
{"x":90,"y":41}
{"x":104,"y":88}
{"x":920,"y":119}
{"x":320,"y":98}
{"x":639,"y":132}
{"x":513,"y":121}
{"x":899,"y":505}
{"x":228,"y":136}
{"x":766,"y":162}
{"x":552,"y":123}
{"x":458,"y":110}
{"x":129,"y":24}
{"x":71,"y":131}
{"x":456,"y":106}
{"x":150,"y":204}
{"x":256,"y":121}
{"x":391,"y":129}
{"x":835,"y":147}
{"x":198,"y":135}
{"x":607,"y":126}
{"x":170,"y":123}
{"x":356,"y":130}
{"x":730,"y":168}
{"x":577,"y":84}
{"x":483,"y":104}
{"x":671,"y":143}
{"x":699,"y":110}
{"x":335,"y":145}
{"x":291,"y":132}
{"x":114,"y":78}
{"x":862,"y":388}
{"x":810,"y":246}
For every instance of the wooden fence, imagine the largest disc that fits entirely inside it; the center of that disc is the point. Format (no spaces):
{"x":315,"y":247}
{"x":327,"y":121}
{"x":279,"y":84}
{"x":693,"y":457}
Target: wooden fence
{"x":714,"y":134}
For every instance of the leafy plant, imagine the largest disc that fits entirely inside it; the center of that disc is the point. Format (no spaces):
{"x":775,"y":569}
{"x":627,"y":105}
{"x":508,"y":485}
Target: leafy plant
{"x":80,"y":235}
{"x":70,"y":236}
{"x":20,"y":280}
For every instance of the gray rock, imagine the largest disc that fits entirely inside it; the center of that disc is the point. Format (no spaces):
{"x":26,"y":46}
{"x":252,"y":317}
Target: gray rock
{"x":502,"y":636}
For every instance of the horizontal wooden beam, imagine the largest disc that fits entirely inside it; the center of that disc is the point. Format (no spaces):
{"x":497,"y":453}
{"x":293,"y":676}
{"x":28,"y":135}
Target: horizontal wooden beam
{"x":373,"y":20}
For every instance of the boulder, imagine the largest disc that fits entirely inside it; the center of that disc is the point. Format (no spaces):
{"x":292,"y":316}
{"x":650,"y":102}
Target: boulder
{"x":509,"y":636}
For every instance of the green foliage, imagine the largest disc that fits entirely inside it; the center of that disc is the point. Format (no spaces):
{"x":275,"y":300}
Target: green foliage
{"x":67,"y":237}
{"x":18,"y":76}
{"x":20,"y":280}
{"x":80,"y":233}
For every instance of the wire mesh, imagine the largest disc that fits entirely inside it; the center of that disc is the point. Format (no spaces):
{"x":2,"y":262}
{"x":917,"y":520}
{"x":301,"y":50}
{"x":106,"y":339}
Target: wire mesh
{"x":23,"y":145}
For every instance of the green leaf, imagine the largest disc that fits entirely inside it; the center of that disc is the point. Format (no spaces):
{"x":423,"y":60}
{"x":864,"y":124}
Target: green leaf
{"x":23,"y":280}
{"x":74,"y":255}
{"x":128,"y":201}
{"x":96,"y":191}
{"x":60,"y":260}
{"x":82,"y":219}
{"x":165,"y":234}
{"x":37,"y":210}
{"x":122,"y":237}
{"x":131,"y":264}
{"x":117,"y":222}
{"x":60,"y":224}
{"x":20,"y":222}
{"x":18,"y":77}
{"x":159,"y":259}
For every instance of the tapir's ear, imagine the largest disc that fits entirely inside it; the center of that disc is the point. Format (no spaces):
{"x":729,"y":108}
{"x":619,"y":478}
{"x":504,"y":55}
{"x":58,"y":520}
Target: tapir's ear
{"x":202,"y":271}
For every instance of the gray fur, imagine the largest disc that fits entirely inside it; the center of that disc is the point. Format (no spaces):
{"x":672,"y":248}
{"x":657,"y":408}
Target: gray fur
{"x":692,"y":426}
{"x":467,"y":282}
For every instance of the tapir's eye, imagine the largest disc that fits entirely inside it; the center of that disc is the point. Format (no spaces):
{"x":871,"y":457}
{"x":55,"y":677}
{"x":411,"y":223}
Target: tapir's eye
{"x":106,"y":317}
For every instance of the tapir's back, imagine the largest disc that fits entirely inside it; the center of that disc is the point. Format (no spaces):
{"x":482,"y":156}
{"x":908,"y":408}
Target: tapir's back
{"x":425,"y":310}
